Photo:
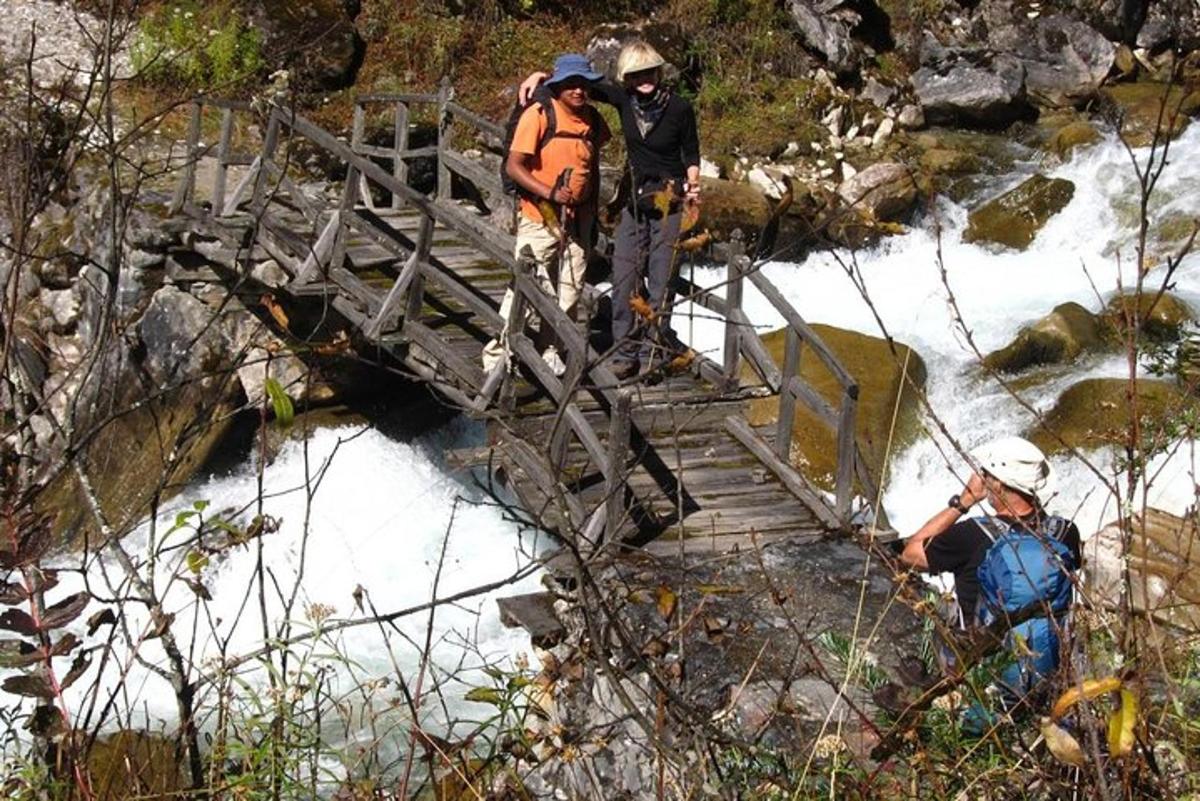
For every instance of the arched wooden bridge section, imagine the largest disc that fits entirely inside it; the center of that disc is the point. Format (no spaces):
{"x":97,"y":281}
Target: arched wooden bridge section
{"x":420,"y":277}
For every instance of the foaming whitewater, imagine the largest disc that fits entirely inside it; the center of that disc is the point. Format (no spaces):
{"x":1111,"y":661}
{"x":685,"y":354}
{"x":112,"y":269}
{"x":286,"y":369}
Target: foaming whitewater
{"x":1080,"y":255}
{"x":356,"y":510}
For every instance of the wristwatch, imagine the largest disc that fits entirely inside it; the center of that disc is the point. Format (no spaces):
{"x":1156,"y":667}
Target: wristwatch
{"x":955,"y":502}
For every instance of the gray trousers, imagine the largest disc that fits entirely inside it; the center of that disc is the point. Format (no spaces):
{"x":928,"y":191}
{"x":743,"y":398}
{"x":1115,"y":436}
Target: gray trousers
{"x":643,"y":248}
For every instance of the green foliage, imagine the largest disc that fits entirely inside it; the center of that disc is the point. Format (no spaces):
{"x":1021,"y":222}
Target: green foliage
{"x":197,"y":45}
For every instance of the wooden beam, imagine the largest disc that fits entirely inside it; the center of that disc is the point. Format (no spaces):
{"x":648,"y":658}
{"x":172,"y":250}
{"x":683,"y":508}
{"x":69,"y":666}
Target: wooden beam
{"x":787,"y":475}
{"x":443,"y":139}
{"x":218,"y":196}
{"x":482,"y":123}
{"x":484,"y":179}
{"x":733,"y":302}
{"x":187,"y":182}
{"x":400,"y":144}
{"x":392,"y":97}
{"x":248,"y":180}
{"x":827,"y":357}
{"x":618,"y":450}
{"x":320,"y":251}
{"x":270,"y":142}
{"x":391,"y":303}
{"x":431,"y":343}
{"x":755,"y":351}
{"x":787,"y":399}
{"x":846,"y":456}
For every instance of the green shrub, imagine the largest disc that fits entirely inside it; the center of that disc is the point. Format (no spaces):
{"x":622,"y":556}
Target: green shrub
{"x":195,"y":44}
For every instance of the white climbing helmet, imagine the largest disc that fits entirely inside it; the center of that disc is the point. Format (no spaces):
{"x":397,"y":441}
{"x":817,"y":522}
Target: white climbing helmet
{"x":1017,"y":463}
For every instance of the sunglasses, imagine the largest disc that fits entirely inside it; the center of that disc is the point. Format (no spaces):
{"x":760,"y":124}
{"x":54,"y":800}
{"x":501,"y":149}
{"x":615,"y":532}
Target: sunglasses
{"x":642,"y":76}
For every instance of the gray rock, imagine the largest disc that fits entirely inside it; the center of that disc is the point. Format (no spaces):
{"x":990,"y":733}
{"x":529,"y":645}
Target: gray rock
{"x":606,"y":41}
{"x":1065,"y":59}
{"x":269,"y":273}
{"x":54,"y":273}
{"x":824,"y":26}
{"x":1119,"y":20}
{"x":144,"y":259}
{"x":911,"y":118}
{"x":1171,"y":22}
{"x":182,"y":336}
{"x":63,"y":305}
{"x":92,"y":287}
{"x":27,"y":283}
{"x":886,"y":190}
{"x":970,"y":87}
{"x":878,"y":93}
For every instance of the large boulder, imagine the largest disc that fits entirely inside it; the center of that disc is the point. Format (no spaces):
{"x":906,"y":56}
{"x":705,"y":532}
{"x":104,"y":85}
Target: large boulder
{"x":1171,"y":23}
{"x":1119,"y":20}
{"x":824,"y":26}
{"x":183,"y":338}
{"x":1160,"y":318}
{"x":1164,"y":561}
{"x":1014,"y":218}
{"x":970,"y":86}
{"x":1065,"y":60}
{"x":1096,"y":412}
{"x":883,"y":377}
{"x":1146,"y":108}
{"x":1059,"y":337}
{"x":886,"y":190}
{"x":731,"y":205}
{"x":606,"y":41}
{"x":316,"y":39}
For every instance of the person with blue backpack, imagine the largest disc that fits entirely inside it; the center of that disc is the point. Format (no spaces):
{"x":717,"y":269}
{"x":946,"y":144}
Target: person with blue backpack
{"x":1012,"y":568}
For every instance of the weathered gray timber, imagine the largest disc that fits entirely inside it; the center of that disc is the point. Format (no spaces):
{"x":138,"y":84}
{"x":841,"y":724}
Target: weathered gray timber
{"x":671,"y":466}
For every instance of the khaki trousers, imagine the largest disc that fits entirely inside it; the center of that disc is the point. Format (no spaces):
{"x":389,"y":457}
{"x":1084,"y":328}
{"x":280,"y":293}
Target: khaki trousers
{"x":560,"y":275}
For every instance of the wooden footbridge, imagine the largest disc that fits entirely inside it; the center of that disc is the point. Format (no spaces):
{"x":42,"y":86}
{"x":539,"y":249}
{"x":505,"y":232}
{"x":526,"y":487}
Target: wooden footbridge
{"x":674,"y":466}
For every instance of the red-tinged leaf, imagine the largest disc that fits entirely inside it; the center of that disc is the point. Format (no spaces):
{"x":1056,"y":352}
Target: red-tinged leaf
{"x":81,"y":663}
{"x":18,"y":654}
{"x":44,"y":579}
{"x":18,"y":621}
{"x":11,"y":594}
{"x":46,"y":721}
{"x":67,"y":644}
{"x":35,"y":543}
{"x":30,"y":685}
{"x":64,"y":611}
{"x":104,"y":617}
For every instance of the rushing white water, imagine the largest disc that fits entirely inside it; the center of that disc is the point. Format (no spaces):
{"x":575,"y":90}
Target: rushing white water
{"x":378,"y":519}
{"x":1078,"y":256}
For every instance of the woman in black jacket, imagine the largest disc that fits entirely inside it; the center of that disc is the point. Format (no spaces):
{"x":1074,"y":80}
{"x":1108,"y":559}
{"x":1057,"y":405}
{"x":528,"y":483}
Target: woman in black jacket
{"x":664,"y":156}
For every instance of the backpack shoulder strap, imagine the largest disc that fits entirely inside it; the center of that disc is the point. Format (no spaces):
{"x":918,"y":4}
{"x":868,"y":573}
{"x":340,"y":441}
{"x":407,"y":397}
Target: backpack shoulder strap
{"x":547,"y":106}
{"x":992,"y":528}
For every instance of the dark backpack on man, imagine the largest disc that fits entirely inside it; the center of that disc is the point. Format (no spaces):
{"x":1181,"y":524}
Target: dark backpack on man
{"x":543,"y":97}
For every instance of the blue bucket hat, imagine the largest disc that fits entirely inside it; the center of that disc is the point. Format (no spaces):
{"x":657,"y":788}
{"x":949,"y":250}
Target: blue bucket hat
{"x":570,"y":65}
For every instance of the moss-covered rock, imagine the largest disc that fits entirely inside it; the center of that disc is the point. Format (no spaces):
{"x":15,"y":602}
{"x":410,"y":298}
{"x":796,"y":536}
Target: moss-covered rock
{"x":1096,"y":412}
{"x":1014,"y":218}
{"x":1161,"y":318}
{"x":1076,"y":133}
{"x":880,"y":374}
{"x":1141,"y":107}
{"x":134,"y":764}
{"x":729,"y":205}
{"x":947,"y":161}
{"x":1059,"y":337}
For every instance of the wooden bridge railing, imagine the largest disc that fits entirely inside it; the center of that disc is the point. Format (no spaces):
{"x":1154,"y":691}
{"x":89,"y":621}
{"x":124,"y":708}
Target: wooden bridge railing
{"x":396,"y":317}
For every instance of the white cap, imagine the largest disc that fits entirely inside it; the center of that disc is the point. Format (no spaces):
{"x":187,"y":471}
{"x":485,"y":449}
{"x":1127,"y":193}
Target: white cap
{"x":1017,"y":463}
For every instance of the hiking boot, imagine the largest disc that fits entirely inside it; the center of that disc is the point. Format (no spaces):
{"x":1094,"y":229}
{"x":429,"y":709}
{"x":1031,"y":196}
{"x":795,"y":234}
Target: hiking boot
{"x":624,"y":369}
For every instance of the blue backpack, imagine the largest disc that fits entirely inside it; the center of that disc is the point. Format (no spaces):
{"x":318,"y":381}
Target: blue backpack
{"x":1024,"y":568}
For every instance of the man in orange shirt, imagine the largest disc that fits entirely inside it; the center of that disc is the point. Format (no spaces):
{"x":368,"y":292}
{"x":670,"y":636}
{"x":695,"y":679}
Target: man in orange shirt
{"x":555,"y":158}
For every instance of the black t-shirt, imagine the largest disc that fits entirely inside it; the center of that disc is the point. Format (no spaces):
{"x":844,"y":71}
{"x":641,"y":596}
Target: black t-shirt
{"x":961,"y":548}
{"x":668,"y":148}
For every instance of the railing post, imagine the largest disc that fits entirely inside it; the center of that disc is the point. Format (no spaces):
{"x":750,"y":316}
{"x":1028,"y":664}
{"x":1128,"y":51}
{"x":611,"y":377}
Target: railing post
{"x":570,"y":379}
{"x":270,"y":142}
{"x":787,"y":398}
{"x":400,"y":140}
{"x":618,"y":450}
{"x":357,"y":132}
{"x":443,"y":140}
{"x":736,"y":267}
{"x":187,"y":183}
{"x":846,"y":453}
{"x":218,"y":198}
